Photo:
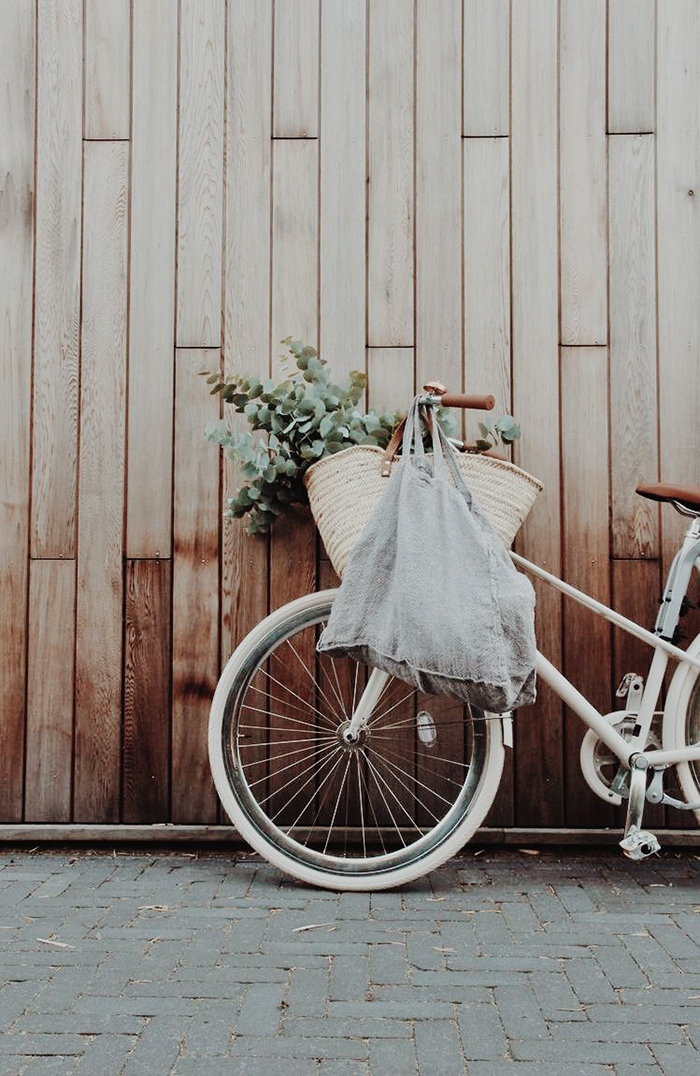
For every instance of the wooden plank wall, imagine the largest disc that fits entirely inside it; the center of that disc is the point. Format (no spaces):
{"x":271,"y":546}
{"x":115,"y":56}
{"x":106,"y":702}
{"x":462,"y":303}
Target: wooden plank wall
{"x":501,"y":193}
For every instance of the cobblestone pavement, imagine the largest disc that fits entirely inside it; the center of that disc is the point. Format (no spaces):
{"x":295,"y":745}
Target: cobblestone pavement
{"x":501,"y":964}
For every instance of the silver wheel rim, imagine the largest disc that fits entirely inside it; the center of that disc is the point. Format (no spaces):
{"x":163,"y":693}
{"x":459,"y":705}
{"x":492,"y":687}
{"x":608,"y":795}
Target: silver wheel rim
{"x":316,"y":772}
{"x":692,"y":729}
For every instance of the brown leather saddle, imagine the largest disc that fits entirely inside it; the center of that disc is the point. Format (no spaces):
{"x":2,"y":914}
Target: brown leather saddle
{"x":684,"y":498}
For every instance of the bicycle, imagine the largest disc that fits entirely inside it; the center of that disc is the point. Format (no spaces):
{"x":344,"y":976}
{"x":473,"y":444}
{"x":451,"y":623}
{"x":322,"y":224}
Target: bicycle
{"x":376,"y":784}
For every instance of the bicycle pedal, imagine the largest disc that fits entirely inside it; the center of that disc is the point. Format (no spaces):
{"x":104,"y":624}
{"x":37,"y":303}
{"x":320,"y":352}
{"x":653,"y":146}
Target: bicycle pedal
{"x":639,"y":843}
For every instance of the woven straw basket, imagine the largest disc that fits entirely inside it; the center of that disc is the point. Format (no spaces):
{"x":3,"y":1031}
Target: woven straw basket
{"x":345,"y":487}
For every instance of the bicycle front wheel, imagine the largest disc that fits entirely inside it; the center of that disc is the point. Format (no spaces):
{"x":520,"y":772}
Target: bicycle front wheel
{"x":363,"y":816}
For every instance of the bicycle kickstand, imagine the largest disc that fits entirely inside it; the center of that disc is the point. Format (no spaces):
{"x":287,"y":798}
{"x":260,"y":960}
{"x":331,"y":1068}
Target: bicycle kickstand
{"x":638,"y":843}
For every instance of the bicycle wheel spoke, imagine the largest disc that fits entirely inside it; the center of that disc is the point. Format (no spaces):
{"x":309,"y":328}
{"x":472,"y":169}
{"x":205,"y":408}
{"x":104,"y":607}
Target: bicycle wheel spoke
{"x":335,"y":809}
{"x":308,"y":704}
{"x":377,"y":775}
{"x":279,"y":743}
{"x":326,"y":751}
{"x":340,"y":690}
{"x":307,"y":754}
{"x":359,"y":797}
{"x":308,"y":803}
{"x":310,"y":675}
{"x":396,"y":770}
{"x":391,"y":708}
{"x":428,"y":769}
{"x":283,"y":717}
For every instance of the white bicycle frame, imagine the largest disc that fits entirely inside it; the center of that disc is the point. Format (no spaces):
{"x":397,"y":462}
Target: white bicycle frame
{"x":628,"y":751}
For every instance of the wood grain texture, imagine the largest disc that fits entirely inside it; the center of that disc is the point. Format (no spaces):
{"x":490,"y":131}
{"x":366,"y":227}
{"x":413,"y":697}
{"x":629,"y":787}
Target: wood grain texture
{"x":108,"y":68}
{"x":50,"y":691}
{"x":152,"y":280}
{"x":631,"y":61}
{"x":17,"y":230}
{"x":486,"y":67}
{"x":582,"y":177}
{"x":146,"y":741}
{"x":487,"y":271}
{"x":439,"y":191}
{"x":343,"y":185}
{"x":391,"y":379}
{"x":57,"y":302}
{"x":294,"y":313}
{"x":633,"y":378}
{"x":587,"y":638}
{"x":201,"y":153}
{"x":195,"y":588}
{"x":678,"y":231}
{"x":295,"y":107}
{"x":534,"y":266}
{"x":98,"y":702}
{"x":244,"y":597}
{"x":390,"y":260}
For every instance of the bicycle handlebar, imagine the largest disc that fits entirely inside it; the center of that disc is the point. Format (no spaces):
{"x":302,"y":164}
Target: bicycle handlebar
{"x":474,"y":403}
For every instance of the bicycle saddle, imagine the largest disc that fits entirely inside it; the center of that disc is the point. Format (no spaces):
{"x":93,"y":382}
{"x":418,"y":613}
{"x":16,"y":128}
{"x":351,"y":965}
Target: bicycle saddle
{"x":686,"y":496}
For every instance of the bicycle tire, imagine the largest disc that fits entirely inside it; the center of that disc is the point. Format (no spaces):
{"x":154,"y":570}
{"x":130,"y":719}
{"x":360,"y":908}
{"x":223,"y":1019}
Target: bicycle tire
{"x":257,"y":689}
{"x":681,"y":723}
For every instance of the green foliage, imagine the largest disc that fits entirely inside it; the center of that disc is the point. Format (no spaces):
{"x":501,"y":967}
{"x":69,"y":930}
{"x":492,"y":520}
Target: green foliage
{"x":504,"y":427}
{"x":294,"y":423}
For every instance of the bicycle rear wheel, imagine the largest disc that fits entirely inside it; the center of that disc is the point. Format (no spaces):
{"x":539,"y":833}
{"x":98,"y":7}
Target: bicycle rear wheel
{"x":362,"y":816}
{"x":681,"y":724}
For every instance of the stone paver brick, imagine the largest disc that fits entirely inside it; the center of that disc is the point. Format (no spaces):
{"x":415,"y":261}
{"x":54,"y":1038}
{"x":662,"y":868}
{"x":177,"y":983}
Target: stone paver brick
{"x":483,"y":1036}
{"x":343,"y":1068}
{"x":262,"y":1009}
{"x":308,"y":992}
{"x":520,"y":1013}
{"x":438,"y":1047}
{"x":588,"y":980}
{"x":566,"y":963}
{"x":349,"y":978}
{"x":393,"y":1058}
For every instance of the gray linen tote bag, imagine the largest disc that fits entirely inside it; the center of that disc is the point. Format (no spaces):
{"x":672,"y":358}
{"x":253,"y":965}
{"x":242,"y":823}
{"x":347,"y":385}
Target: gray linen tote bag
{"x":430,"y":593}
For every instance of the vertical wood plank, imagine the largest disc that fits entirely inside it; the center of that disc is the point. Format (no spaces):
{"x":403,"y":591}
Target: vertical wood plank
{"x":195,"y":589}
{"x":295,"y":272}
{"x":486,"y":67}
{"x":582,"y":180}
{"x":678,"y":230}
{"x":247,"y":281}
{"x":343,"y":185}
{"x":390,"y":380}
{"x":152,"y":280}
{"x":147,"y":692}
{"x":101,"y":494}
{"x":294,"y":313}
{"x":295,"y":107}
{"x":201,"y":153}
{"x":17,"y":229}
{"x":633,"y":396}
{"x":57,"y":303}
{"x":439,"y":192}
{"x":534,"y":273}
{"x":487,"y":269}
{"x":107,"y":68}
{"x":631,"y":56}
{"x":50,"y":684}
{"x":587,"y":638}
{"x":390,"y":266}
{"x":294,"y":243}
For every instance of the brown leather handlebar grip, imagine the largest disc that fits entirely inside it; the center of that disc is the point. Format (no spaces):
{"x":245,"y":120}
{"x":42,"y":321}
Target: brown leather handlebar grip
{"x":474,"y":403}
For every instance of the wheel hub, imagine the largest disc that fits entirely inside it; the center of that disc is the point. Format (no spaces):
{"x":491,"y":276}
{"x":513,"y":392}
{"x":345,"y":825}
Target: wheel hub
{"x":352,"y":743}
